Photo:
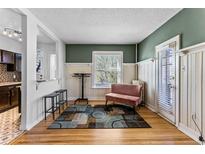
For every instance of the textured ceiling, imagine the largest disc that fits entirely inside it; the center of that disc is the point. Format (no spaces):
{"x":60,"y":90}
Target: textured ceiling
{"x":10,"y":19}
{"x":42,"y":37}
{"x":103,"y":26}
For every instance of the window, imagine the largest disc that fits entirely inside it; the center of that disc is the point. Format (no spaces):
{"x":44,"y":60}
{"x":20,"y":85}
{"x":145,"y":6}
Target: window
{"x":107,"y":68}
{"x":53,"y":66}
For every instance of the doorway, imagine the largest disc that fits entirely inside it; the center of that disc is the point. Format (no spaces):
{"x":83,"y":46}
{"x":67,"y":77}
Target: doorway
{"x":166,"y":79}
{"x":10,"y":74}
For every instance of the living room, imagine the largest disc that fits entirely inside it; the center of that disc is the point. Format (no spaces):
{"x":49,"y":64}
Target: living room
{"x":104,"y":76}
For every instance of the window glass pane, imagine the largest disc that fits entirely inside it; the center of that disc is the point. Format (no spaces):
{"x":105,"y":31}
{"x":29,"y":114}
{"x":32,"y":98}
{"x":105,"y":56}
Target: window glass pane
{"x":53,"y":66}
{"x":107,"y":69}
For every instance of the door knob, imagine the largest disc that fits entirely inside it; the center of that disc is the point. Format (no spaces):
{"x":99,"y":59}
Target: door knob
{"x":171,"y":86}
{"x":172,"y":78}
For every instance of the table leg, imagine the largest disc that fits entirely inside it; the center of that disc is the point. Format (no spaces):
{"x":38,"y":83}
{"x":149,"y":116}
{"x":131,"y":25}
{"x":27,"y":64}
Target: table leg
{"x":53,"y":108}
{"x":45,"y":107}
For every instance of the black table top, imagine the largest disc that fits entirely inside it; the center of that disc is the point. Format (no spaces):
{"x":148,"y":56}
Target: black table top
{"x":81,"y":74}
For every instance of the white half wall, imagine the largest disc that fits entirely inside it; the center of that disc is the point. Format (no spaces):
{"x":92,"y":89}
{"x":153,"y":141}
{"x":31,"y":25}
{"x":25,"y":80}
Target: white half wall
{"x":74,"y":86}
{"x":146,"y":73}
{"x":32,"y":103}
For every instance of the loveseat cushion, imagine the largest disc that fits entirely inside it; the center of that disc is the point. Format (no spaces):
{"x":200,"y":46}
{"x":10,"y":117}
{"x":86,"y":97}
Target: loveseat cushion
{"x":127,"y":99}
{"x":126,"y":89}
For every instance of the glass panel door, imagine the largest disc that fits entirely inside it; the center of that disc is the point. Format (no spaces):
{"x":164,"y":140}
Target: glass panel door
{"x":166,"y":81}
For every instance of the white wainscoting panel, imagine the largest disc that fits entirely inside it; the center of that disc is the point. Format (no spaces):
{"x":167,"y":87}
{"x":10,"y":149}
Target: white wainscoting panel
{"x":74,"y":86}
{"x":146,"y":73}
{"x":203,"y":97}
{"x":192,"y":96}
{"x":183,"y":87}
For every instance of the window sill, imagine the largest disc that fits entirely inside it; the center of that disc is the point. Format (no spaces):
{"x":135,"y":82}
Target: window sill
{"x":94,"y":87}
{"x":44,"y":80}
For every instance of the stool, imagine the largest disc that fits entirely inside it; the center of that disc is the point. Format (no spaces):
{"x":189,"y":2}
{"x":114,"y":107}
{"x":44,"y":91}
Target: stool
{"x":62,"y":98}
{"x":53,"y":97}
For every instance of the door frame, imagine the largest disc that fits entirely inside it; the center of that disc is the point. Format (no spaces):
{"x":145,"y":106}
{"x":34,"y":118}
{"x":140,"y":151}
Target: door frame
{"x":159,"y":46}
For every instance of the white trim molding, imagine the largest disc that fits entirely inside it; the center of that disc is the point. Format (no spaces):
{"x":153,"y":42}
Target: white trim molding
{"x":193,"y":47}
{"x":74,"y":64}
{"x":117,"y":53}
{"x":146,"y":60}
{"x":158,"y":48}
{"x":194,"y":135}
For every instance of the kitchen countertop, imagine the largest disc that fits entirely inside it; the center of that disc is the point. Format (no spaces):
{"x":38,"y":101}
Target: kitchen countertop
{"x":4,"y":84}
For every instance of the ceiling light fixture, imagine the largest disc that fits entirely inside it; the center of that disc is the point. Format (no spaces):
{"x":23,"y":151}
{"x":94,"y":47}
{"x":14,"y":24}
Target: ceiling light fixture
{"x":4,"y":32}
{"x":20,"y":39}
{"x":12,"y":32}
{"x":15,"y":34}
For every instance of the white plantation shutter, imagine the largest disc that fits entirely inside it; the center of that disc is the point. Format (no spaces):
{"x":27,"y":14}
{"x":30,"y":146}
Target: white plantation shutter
{"x":166,"y":80}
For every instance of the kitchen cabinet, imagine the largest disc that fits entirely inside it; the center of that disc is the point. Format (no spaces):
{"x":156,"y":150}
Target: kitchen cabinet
{"x":0,"y":56}
{"x":4,"y":98}
{"x":9,"y":97}
{"x":7,"y":57}
{"x":17,"y":64}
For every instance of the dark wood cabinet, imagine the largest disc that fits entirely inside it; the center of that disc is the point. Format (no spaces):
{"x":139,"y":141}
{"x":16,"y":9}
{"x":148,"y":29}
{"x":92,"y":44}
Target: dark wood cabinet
{"x":9,"y":97}
{"x":17,"y":63}
{"x":6,"y":57}
{"x":0,"y":56}
{"x":4,"y":98}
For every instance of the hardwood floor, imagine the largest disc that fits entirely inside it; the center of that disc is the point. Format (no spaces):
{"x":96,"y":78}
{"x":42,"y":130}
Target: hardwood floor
{"x":162,"y":132}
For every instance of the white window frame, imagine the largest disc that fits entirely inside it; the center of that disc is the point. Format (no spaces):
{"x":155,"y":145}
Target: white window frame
{"x":120,"y":53}
{"x":177,"y":83}
{"x":53,"y":66}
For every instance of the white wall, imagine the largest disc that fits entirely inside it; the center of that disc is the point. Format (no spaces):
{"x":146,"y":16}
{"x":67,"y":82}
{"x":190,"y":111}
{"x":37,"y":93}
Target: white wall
{"x":146,"y":73}
{"x":74,"y":86}
{"x":9,"y":19}
{"x":32,"y":104}
{"x":10,"y":45}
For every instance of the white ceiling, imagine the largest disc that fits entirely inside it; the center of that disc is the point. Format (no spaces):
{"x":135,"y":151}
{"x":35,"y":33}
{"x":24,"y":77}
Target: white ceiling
{"x":9,"y":19}
{"x":103,"y":26}
{"x":43,"y":37}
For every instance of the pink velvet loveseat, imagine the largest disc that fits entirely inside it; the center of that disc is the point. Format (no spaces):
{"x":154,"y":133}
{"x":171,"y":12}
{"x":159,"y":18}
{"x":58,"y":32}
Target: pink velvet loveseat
{"x":125,"y":94}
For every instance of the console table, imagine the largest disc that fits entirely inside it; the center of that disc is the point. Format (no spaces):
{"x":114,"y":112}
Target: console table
{"x":81,"y":76}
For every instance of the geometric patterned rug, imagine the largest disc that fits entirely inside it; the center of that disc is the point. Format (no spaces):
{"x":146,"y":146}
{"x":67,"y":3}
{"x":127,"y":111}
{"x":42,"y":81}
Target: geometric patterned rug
{"x":9,"y":125}
{"x":98,"y":116}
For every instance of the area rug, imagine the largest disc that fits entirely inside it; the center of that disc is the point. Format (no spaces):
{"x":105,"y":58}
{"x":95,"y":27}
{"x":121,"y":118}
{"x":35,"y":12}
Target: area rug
{"x":99,"y":116}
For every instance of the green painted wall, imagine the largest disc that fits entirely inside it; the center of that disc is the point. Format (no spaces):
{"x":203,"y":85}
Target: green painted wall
{"x":82,"y":53}
{"x":190,"y":23}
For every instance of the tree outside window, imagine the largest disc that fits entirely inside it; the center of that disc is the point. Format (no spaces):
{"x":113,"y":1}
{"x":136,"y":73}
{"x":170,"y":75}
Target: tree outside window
{"x":107,"y":68}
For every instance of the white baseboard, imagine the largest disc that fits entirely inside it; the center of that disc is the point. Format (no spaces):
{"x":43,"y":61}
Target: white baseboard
{"x":189,"y":132}
{"x":28,"y":127}
{"x":150,"y":107}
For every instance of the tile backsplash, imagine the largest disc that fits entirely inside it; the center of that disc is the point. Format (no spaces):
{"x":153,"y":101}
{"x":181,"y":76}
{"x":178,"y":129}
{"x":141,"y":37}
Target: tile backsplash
{"x":8,"y":76}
